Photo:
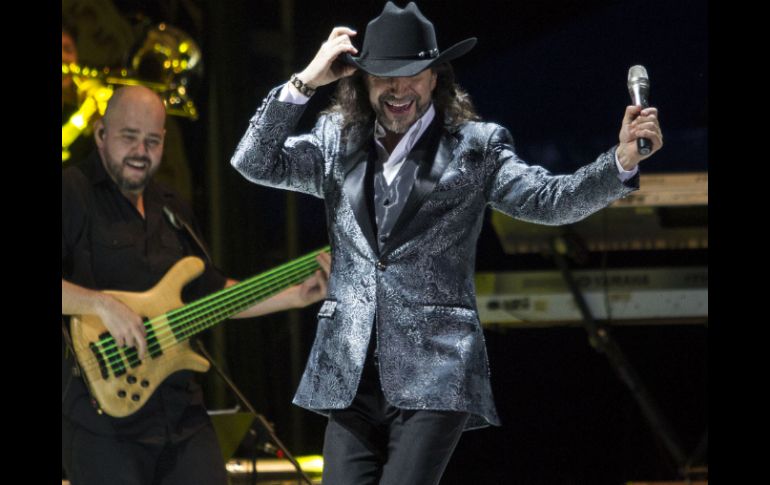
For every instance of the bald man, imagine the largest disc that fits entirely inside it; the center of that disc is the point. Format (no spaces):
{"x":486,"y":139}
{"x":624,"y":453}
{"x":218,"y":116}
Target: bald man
{"x":115,"y":235}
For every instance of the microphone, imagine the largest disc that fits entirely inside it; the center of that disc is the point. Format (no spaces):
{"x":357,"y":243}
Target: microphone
{"x":639,"y":89}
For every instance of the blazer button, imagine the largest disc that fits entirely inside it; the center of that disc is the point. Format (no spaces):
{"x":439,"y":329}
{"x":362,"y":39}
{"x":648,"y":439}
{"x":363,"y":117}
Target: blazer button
{"x":381,"y":266}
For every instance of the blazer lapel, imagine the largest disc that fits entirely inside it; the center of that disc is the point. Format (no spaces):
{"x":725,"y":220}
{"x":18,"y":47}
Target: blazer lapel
{"x":359,"y":166}
{"x":432,"y":157}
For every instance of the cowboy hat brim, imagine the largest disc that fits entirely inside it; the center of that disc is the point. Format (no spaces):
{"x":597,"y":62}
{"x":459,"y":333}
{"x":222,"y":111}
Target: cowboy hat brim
{"x":407,"y":67}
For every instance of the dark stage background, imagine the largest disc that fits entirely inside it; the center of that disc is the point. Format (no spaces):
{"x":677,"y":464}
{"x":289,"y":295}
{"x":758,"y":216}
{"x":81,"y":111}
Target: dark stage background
{"x":553,"y":72}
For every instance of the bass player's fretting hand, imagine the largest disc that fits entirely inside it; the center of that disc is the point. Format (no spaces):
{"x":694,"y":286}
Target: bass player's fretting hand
{"x":313,"y":289}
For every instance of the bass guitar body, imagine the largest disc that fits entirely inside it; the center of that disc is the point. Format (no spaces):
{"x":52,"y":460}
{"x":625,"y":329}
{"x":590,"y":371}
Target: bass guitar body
{"x":119,"y":381}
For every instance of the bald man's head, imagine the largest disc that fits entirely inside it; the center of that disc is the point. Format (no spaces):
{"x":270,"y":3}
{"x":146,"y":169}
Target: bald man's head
{"x":130,"y":136}
{"x":133,"y":97}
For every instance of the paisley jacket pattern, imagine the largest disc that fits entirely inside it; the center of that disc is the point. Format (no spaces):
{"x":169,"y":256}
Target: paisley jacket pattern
{"x":418,"y":287}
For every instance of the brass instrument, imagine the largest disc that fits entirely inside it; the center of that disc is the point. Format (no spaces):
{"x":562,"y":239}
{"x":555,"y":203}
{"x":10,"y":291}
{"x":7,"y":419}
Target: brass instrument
{"x":170,"y":57}
{"x":163,"y":63}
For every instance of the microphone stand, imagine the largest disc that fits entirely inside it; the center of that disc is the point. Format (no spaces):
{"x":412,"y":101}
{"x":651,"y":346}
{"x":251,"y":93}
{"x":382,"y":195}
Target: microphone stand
{"x":261,"y":419}
{"x":602,"y":342}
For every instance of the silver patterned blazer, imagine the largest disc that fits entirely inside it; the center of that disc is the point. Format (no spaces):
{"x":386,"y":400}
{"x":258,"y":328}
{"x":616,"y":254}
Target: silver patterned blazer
{"x":417,"y":287}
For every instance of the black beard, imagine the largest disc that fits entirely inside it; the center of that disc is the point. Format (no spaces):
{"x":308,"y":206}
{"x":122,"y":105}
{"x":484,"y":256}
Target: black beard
{"x":123,"y":183}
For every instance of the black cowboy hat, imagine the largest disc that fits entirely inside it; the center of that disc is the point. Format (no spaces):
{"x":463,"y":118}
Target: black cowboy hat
{"x":402,"y":42}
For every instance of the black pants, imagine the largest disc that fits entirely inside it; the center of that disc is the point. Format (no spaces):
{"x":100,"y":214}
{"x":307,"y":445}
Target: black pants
{"x":91,"y":459}
{"x":372,"y":442}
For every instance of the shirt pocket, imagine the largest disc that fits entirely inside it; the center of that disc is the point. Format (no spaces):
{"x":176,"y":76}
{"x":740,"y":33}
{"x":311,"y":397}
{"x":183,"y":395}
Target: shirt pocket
{"x":115,"y":257}
{"x":116,"y":238}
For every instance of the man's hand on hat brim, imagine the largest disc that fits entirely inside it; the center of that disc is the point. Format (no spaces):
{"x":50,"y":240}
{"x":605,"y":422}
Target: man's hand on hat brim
{"x":325,"y":67}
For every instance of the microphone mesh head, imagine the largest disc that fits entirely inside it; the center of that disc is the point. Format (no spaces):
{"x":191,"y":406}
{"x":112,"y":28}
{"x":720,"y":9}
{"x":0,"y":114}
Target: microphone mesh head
{"x":637,"y":72}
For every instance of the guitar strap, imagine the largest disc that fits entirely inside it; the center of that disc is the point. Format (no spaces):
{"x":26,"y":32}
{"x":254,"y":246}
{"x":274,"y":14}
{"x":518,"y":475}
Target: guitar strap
{"x":179,"y":223}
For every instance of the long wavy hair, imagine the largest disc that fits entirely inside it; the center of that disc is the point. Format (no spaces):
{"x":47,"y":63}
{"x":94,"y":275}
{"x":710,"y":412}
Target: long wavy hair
{"x":453,"y":103}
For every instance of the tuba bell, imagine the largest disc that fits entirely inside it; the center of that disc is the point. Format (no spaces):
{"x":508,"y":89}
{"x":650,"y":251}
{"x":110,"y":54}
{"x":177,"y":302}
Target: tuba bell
{"x":169,"y":56}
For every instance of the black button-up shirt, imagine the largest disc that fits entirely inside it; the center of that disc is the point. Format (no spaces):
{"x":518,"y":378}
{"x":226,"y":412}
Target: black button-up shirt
{"x":107,"y":244}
